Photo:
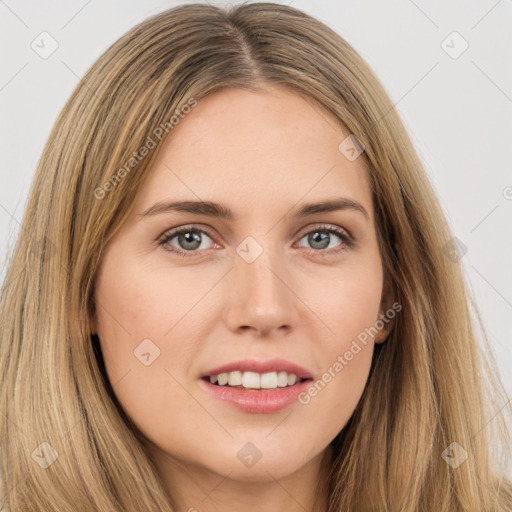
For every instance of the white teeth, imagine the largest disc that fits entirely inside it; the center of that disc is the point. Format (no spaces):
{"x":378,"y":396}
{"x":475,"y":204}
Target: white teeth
{"x":254,"y":380}
{"x":251,"y":380}
{"x":269,"y":380}
{"x":282,"y":379}
{"x":292,"y":378}
{"x":235,"y":378}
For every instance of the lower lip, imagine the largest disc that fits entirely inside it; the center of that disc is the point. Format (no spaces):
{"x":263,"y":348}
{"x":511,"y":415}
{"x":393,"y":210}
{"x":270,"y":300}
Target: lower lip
{"x":257,"y":401}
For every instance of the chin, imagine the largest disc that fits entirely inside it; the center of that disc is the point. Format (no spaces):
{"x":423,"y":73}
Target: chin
{"x":258,"y":461}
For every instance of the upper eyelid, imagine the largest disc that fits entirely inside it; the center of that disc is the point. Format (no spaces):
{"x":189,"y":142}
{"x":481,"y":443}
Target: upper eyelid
{"x":171,"y":233}
{"x":325,"y":226}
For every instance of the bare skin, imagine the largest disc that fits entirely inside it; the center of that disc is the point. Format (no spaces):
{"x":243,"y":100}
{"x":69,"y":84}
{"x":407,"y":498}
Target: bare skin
{"x":304,"y":299}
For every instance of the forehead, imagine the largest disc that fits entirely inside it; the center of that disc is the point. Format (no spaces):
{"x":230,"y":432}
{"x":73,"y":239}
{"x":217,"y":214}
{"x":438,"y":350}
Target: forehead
{"x":238,"y":145}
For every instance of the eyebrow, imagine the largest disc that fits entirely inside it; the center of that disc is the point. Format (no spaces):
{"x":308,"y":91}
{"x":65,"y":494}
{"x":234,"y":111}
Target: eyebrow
{"x":212,"y":209}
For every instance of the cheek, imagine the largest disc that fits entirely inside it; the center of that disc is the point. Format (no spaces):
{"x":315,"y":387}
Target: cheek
{"x":348,"y":303}
{"x":139,"y":300}
{"x":141,"y":313}
{"x":349,"y":306}
{"x":333,"y":395}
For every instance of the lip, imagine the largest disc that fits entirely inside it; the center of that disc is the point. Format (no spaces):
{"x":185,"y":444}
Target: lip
{"x":257,"y":401}
{"x":254,"y":365}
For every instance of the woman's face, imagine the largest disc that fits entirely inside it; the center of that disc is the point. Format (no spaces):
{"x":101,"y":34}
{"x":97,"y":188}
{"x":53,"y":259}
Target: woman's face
{"x":265,"y":284}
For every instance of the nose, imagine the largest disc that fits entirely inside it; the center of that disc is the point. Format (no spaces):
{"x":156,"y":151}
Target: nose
{"x":261,"y":297}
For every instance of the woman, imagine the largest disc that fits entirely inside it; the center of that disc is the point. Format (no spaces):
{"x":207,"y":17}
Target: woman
{"x":177,"y":334}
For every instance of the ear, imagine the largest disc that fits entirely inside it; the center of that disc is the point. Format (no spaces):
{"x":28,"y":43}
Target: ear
{"x":93,"y":328}
{"x":387,"y":312}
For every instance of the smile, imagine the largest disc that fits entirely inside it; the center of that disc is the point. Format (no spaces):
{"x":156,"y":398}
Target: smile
{"x":254,"y":380}
{"x":256,"y":400}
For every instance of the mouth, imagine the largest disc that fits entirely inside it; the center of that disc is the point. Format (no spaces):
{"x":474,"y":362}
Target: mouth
{"x":253,"y":381}
{"x":256,"y":400}
{"x":257,"y":386}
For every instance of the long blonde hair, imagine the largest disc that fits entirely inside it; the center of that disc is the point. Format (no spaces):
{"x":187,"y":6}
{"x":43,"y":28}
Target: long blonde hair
{"x":430,"y":384}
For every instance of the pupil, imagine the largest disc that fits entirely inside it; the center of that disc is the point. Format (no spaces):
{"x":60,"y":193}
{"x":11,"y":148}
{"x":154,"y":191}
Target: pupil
{"x":313,"y":238}
{"x":192,"y":238}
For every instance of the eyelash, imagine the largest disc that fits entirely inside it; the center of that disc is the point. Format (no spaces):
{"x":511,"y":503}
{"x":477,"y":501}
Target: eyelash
{"x":347,"y":241}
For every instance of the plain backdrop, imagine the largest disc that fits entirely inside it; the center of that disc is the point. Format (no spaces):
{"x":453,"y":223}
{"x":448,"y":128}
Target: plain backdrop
{"x":446,"y":66}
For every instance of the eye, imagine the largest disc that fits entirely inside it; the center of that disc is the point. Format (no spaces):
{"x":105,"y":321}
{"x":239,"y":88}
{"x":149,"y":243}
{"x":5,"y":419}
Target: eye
{"x":321,"y":238}
{"x":188,"y":240}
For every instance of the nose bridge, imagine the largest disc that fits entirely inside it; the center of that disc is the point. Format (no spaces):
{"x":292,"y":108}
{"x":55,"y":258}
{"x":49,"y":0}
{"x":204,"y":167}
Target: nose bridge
{"x":260,"y":295}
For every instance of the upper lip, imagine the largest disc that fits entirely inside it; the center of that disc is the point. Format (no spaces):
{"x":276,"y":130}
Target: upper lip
{"x":254,"y":365}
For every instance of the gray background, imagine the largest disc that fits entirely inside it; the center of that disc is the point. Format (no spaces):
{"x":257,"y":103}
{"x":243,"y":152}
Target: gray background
{"x":457,"y":109}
